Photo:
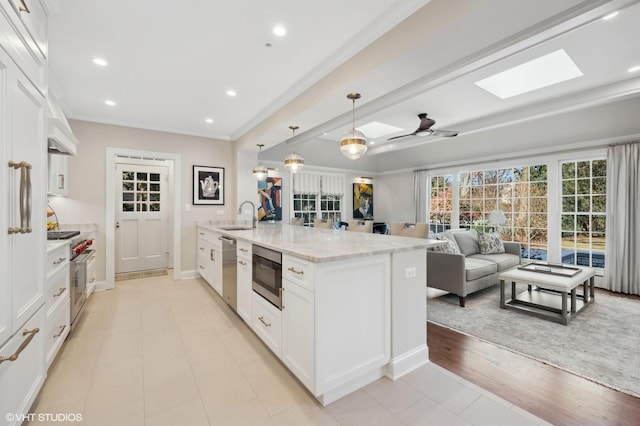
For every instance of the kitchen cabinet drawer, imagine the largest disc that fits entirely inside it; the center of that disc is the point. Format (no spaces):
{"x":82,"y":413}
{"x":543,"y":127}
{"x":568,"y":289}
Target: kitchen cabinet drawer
{"x":57,"y":329}
{"x":299,"y":271}
{"x":20,"y":380}
{"x":57,"y":259}
{"x":267,"y":323}
{"x":244,"y":250}
{"x":57,"y":289}
{"x":209,"y":236}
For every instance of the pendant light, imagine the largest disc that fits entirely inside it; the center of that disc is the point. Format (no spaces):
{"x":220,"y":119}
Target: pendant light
{"x":353,"y":144}
{"x":294,"y":161}
{"x":260,"y":171}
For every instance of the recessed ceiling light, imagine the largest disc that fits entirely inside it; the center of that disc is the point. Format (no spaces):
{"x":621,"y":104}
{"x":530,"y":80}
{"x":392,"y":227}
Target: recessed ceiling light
{"x":610,"y":16}
{"x":376,"y":129}
{"x":541,"y":72}
{"x":209,"y":120}
{"x":634,"y":69}
{"x":100,"y":61}
{"x":110,"y":102}
{"x":231,"y":93}
{"x":279,"y":30}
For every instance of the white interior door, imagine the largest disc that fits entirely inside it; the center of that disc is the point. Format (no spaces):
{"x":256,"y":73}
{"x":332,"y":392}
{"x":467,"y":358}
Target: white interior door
{"x":141,"y":235}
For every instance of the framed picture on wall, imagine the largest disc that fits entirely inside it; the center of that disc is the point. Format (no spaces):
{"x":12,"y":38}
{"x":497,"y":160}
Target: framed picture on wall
{"x":363,"y":201}
{"x":208,"y":185}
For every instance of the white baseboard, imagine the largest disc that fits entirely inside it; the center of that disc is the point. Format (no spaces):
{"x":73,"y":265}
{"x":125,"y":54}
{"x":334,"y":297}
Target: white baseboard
{"x":407,"y":362}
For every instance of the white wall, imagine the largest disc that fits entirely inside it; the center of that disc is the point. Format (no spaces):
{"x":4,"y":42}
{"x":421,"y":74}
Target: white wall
{"x":87,"y":179}
{"x":393,"y":197}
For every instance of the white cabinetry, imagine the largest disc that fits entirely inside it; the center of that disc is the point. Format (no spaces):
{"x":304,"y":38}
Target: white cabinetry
{"x":298,"y":323}
{"x":23,"y":204}
{"x":210,"y":258}
{"x":244,"y":278}
{"x":58,"y":182}
{"x":266,"y":321}
{"x":57,"y":302}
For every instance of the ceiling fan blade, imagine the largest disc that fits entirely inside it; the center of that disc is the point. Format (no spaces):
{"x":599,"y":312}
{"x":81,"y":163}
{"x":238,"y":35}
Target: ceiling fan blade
{"x":444,"y":133}
{"x":401,"y":136}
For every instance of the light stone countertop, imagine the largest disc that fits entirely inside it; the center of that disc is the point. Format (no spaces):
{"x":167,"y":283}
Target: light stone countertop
{"x":322,"y":245}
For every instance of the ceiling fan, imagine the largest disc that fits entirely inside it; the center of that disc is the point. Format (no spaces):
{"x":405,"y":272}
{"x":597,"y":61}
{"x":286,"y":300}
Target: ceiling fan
{"x":424,"y":129}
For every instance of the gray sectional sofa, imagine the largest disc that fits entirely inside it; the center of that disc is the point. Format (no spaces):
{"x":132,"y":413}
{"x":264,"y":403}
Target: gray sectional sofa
{"x":467,"y":270}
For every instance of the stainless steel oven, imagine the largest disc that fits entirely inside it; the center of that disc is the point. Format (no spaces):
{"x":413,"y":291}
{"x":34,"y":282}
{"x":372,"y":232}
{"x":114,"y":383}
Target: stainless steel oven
{"x":80,"y":255}
{"x":267,"y":274}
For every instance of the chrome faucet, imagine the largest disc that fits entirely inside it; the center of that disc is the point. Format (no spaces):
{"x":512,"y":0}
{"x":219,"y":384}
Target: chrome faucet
{"x":253,"y":206}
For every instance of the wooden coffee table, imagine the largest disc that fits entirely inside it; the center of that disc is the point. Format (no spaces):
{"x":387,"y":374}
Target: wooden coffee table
{"x":547,"y":294}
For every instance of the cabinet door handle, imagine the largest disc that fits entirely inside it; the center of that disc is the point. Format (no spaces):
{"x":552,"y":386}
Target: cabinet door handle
{"x":23,"y":345}
{"x":60,"y":181}
{"x":62,"y":328}
{"x":24,"y":7}
{"x":264,"y":322}
{"x":59,"y":261}
{"x":62,"y":290}
{"x":242,"y":262}
{"x":295,"y":271}
{"x":212,"y":255}
{"x":25,"y":197}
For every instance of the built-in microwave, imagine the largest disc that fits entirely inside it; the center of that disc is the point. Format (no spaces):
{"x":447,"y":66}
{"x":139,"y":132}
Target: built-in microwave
{"x":267,"y":274}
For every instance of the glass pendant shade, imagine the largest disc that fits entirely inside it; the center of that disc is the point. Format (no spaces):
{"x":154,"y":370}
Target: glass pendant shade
{"x":260,"y":171}
{"x":353,"y":144}
{"x":294,"y":161}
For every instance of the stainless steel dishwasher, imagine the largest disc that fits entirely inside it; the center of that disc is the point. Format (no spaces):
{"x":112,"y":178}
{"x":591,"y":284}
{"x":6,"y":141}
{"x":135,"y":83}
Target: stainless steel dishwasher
{"x":229,"y":272}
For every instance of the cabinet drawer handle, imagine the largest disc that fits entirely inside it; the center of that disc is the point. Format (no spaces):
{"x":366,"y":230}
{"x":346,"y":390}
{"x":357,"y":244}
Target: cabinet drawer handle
{"x":244,"y":250}
{"x":242,"y":262}
{"x":59,"y":261}
{"x":295,"y":271}
{"x":62,"y":327}
{"x":24,"y":7}
{"x":23,"y":345}
{"x":264,"y":322}
{"x":201,"y":233}
{"x":62,"y":290}
{"x":202,"y":248}
{"x":201,"y":267}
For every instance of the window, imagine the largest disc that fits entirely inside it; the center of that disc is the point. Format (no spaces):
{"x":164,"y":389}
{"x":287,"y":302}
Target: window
{"x":584,"y":212}
{"x":441,"y":203}
{"x":317,"y":196}
{"x":520,"y":192}
{"x":140,"y":191}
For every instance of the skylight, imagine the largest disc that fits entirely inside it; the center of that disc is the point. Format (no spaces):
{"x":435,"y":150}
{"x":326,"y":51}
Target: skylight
{"x":376,"y":129}
{"x":542,"y":72}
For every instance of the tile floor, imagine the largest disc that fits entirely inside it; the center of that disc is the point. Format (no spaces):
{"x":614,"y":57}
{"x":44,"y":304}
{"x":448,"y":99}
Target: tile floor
{"x":154,"y":351}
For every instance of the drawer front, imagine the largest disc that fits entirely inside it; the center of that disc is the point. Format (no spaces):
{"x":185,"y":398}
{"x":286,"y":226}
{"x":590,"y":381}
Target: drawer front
{"x":57,"y":329}
{"x":209,"y":236}
{"x":57,"y":259}
{"x":21,"y":380}
{"x":267,"y":323}
{"x":244,"y":250}
{"x":57,"y":289}
{"x":299,"y":271}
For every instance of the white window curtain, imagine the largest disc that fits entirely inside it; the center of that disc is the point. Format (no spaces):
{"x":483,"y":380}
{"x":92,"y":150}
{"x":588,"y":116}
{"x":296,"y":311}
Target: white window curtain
{"x":306,"y":183}
{"x":622,"y":261}
{"x":421,"y":195}
{"x":333,"y":185}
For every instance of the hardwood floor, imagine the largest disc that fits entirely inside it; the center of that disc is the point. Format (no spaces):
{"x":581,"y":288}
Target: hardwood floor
{"x":552,"y":394}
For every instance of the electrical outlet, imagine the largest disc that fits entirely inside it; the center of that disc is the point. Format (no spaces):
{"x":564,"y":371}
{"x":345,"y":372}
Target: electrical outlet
{"x":187,"y":207}
{"x":220,"y":212}
{"x":410,"y":272}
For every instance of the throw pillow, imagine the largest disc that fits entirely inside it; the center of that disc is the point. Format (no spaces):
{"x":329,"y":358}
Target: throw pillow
{"x":449,"y":247}
{"x":467,"y":241}
{"x":490,"y":243}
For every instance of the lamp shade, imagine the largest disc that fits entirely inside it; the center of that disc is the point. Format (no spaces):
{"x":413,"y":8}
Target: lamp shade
{"x":294,"y":162}
{"x":353,"y":144}
{"x":497,"y":217}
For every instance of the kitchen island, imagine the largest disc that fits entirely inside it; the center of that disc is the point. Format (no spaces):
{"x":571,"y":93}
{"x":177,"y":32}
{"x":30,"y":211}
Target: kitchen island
{"x":354,"y":304}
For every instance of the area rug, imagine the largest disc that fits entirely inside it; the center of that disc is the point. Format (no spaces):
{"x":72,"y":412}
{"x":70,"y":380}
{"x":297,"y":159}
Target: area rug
{"x":601,"y":344}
